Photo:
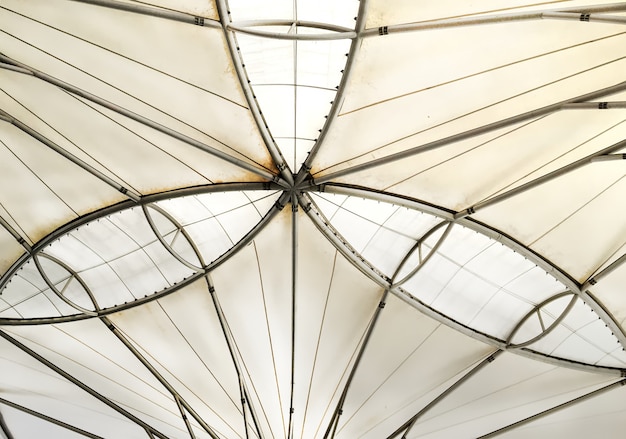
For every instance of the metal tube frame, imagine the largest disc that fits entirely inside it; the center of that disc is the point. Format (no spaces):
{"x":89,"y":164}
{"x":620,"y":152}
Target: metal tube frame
{"x":43,"y":417}
{"x":408,"y":425}
{"x":537,"y":310}
{"x":4,"y":426}
{"x":549,"y":411}
{"x":278,"y":206}
{"x":60,"y":294}
{"x":582,"y":13}
{"x":180,"y":401}
{"x":294,"y":271}
{"x":145,"y":121}
{"x":71,"y":158}
{"x":605,"y":154}
{"x":532,"y":114}
{"x":344,"y":248}
{"x":245,"y":399}
{"x":335,"y":32}
{"x":279,"y":161}
{"x":418,"y":245}
{"x":81,"y":385}
{"x":551,"y":268}
{"x":153,"y":11}
{"x":592,"y":13}
{"x":334,"y":421}
{"x":303,"y":173}
{"x":161,"y":238}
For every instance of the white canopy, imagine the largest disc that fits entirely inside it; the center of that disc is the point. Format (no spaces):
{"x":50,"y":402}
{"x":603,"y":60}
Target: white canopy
{"x":312,"y":219}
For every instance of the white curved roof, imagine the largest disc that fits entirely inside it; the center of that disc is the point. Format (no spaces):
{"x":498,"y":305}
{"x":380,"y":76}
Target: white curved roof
{"x":290,"y":219}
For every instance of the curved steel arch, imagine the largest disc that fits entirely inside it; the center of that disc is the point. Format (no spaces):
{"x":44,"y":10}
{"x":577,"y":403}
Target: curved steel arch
{"x":108,"y":210}
{"x":384,"y":281}
{"x":100,"y":312}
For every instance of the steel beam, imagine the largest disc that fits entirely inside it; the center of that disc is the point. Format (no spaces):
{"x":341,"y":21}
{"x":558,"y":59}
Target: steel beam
{"x":554,"y":409}
{"x":334,"y":422}
{"x":271,"y":146}
{"x":598,"y":276}
{"x":4,"y":426}
{"x":245,"y":399}
{"x":180,"y":401}
{"x":408,"y":425}
{"x":45,"y":418}
{"x":81,"y":385}
{"x":294,"y":285}
{"x":145,"y":121}
{"x":605,"y":154}
{"x":252,"y":28}
{"x":168,"y":14}
{"x":585,"y":17}
{"x":130,"y":193}
{"x":578,"y":13}
{"x":533,"y":114}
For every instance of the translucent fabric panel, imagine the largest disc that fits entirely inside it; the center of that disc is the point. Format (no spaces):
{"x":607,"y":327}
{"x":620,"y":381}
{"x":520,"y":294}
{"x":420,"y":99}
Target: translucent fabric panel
{"x":471,"y":278}
{"x":409,"y":359}
{"x":294,"y":83}
{"x":599,"y":416}
{"x":504,"y":79}
{"x":90,"y":353}
{"x":383,"y":233}
{"x":581,"y":336}
{"x":298,"y":147}
{"x":382,"y":13}
{"x":129,"y":68}
{"x":181,"y":336}
{"x":326,"y":11}
{"x":216,"y":221}
{"x":578,"y":231}
{"x":278,"y":103}
{"x":334,"y":304}
{"x":468,"y":279}
{"x":33,"y":224}
{"x":107,"y":286}
{"x":333,"y":307}
{"x":256,"y":305}
{"x":136,"y":41}
{"x":54,"y":183}
{"x":26,"y":425}
{"x":251,"y":10}
{"x":28,"y":294}
{"x":119,"y":258}
{"x":122,"y":154}
{"x":203,"y":8}
{"x":504,"y":391}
